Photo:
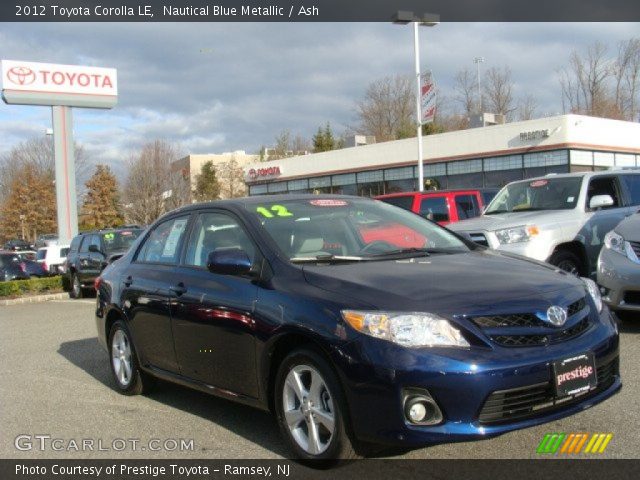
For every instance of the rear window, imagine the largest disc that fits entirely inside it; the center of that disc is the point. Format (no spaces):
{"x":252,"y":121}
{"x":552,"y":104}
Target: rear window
{"x":42,"y":254}
{"x":120,"y":240}
{"x":435,"y":209}
{"x":405,"y":202}
{"x":64,"y":252}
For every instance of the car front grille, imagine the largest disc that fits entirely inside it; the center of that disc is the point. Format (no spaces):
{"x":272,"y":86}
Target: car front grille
{"x":498,"y":327}
{"x":636,"y":248}
{"x":479,"y":238}
{"x":525,"y":402}
{"x":632,"y":298}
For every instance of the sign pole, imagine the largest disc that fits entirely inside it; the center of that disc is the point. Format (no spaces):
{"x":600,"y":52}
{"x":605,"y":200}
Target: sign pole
{"x":416,"y":47}
{"x":65,"y":173}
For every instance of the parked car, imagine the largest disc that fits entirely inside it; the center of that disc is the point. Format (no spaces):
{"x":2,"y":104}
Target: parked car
{"x":46,"y":240}
{"x":560,"y":219}
{"x":18,"y":244}
{"x":443,"y":206}
{"x":12,"y":267}
{"x":619,"y":267}
{"x":90,"y":252}
{"x":377,"y":344}
{"x":53,"y":258}
{"x":33,"y":268}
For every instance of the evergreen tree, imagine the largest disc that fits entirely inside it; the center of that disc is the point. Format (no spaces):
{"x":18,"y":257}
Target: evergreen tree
{"x":101,"y":206}
{"x":323,"y":140}
{"x":207,"y":185}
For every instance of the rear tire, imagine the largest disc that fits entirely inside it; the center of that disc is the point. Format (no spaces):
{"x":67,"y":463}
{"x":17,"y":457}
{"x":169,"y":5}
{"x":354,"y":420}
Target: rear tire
{"x":128,"y":377}
{"x":75,"y":290}
{"x":311,"y":409}
{"x":567,"y":261}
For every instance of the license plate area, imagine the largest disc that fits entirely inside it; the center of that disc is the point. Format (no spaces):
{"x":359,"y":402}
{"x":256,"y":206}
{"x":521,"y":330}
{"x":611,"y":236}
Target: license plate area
{"x":575,"y":375}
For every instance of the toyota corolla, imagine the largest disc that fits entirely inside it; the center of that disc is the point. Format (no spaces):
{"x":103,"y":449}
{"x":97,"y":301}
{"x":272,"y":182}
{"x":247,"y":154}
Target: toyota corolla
{"x":410,"y":337}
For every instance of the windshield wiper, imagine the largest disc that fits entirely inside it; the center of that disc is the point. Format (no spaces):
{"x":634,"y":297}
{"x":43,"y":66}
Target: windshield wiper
{"x":414,"y":252}
{"x":327,"y":258}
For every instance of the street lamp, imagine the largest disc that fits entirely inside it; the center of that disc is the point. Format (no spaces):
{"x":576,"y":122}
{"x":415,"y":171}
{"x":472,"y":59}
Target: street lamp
{"x":478,"y":61}
{"x":426,"y":20}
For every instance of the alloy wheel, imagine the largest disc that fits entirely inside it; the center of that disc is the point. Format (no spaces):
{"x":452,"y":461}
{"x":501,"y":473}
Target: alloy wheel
{"x":308,"y":409}
{"x":121,"y":357}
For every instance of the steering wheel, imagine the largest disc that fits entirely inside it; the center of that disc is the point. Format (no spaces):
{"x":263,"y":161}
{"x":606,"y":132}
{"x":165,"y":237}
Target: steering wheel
{"x":378,"y":246}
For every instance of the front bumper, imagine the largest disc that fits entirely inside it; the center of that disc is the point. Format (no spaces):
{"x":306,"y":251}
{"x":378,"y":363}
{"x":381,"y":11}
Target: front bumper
{"x":621,"y":279}
{"x":461,"y":380}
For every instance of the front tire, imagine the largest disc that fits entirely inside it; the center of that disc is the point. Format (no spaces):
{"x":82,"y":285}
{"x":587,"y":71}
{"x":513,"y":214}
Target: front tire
{"x":76,"y":287}
{"x":567,"y":261}
{"x":310,"y":408}
{"x":129,"y":379}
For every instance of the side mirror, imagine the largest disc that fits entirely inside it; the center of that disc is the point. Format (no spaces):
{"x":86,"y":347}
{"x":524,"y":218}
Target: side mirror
{"x":600,"y":201}
{"x":95,"y":249}
{"x":229,"y":261}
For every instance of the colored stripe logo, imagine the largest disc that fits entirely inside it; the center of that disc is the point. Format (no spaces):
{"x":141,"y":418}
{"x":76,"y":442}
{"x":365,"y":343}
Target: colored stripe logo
{"x":574,"y":443}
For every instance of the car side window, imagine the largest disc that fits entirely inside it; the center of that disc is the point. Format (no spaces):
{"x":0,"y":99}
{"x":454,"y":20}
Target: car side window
{"x":75,"y":243}
{"x":435,"y":209}
{"x":604,"y":186}
{"x":163,"y":243}
{"x":467,"y":206}
{"x":633,"y":186}
{"x":95,"y":240}
{"x":213,"y":231}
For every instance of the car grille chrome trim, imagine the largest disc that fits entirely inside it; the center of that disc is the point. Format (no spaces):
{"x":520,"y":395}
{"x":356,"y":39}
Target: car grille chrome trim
{"x":525,"y":402}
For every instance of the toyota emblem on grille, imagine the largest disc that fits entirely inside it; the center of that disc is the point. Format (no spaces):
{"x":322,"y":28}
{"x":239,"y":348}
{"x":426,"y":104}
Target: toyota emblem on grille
{"x":557,"y":315}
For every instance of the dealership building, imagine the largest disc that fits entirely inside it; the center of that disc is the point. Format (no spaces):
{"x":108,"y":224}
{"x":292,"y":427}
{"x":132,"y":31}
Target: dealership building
{"x":479,"y":157}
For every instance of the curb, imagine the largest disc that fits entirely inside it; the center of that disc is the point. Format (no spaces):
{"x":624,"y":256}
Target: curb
{"x":34,"y":299}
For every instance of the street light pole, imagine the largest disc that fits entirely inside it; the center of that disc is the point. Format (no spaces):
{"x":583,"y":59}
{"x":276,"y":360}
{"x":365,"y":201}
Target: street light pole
{"x":427,"y":20}
{"x":478,"y":61}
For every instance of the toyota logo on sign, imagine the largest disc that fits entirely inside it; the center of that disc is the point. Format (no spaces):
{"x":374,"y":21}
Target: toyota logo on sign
{"x":253,"y":174}
{"x":21,"y":75}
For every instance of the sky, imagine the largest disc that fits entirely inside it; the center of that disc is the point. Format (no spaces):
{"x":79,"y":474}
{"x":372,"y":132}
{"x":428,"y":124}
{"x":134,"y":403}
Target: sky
{"x":219,"y":87}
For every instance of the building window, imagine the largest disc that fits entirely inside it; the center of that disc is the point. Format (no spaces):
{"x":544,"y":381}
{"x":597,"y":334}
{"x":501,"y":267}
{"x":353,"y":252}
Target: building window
{"x":466,"y":180}
{"x":319,"y":182}
{"x":295,"y":185}
{"x":434,"y":170}
{"x":346,"y":189}
{"x":370,"y":189}
{"x":510,"y":162}
{"x":257,"y":189}
{"x":544,"y":159}
{"x":465,"y":166}
{"x":372,"y":176}
{"x":344,"y":179}
{"x":397,"y":186}
{"x":603,"y":159}
{"x":398,"y":173}
{"x":277,"y":187}
{"x":500,"y":178}
{"x":625,"y":160}
{"x":580,"y":157}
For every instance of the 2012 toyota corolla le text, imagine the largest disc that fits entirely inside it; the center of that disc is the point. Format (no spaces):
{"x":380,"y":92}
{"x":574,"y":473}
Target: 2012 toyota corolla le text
{"x":355,"y":322}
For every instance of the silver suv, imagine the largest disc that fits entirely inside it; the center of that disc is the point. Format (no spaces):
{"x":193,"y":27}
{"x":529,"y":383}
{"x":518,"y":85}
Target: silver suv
{"x":560,"y":219}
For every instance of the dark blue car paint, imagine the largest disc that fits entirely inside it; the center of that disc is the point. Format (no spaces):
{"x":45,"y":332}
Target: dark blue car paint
{"x":303,"y":303}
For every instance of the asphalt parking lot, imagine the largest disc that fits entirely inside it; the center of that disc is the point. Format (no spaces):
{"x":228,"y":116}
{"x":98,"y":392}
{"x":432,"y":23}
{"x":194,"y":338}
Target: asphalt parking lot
{"x":56,"y":381}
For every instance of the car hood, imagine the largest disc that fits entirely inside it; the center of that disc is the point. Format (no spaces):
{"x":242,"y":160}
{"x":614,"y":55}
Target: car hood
{"x":507,"y":220}
{"x":458,"y":284}
{"x":629,"y":228}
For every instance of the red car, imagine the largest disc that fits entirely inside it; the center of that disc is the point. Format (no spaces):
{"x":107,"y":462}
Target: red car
{"x":443,"y":206}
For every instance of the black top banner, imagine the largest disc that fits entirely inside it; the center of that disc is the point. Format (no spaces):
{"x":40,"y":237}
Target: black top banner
{"x":317,"y":10}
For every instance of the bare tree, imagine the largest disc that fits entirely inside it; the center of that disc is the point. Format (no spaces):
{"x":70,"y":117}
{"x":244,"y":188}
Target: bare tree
{"x":231,"y":176}
{"x":151,"y":188}
{"x":465,"y":86}
{"x":387,"y":109}
{"x":626,"y":73}
{"x":498,"y":88}
{"x":527,"y":107}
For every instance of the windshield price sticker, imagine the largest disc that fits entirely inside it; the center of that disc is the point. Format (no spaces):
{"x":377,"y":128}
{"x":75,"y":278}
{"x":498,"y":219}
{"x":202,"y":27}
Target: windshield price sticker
{"x":326,"y":202}
{"x":274,"y":211}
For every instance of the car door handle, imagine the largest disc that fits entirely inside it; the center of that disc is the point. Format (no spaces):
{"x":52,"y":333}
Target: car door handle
{"x":128,"y":281}
{"x":178,"y":289}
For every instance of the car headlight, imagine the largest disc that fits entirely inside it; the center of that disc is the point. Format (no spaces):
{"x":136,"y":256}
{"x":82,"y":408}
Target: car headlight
{"x":594,"y":291}
{"x":517,"y":234}
{"x":615,"y":242}
{"x":406,"y":329}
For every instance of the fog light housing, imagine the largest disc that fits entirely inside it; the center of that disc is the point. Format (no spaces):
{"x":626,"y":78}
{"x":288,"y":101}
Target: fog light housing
{"x":420,"y":408}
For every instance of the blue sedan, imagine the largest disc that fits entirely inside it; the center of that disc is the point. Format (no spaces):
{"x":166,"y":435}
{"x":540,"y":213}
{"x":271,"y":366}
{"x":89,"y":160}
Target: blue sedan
{"x":357,"y":323}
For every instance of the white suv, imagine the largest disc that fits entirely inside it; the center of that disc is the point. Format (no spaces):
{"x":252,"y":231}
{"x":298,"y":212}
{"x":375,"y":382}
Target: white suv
{"x":560,"y":219}
{"x":53,"y":258}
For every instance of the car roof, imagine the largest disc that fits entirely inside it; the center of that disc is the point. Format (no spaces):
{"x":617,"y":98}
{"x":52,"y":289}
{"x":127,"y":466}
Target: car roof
{"x":109,"y":230}
{"x":427,"y":192}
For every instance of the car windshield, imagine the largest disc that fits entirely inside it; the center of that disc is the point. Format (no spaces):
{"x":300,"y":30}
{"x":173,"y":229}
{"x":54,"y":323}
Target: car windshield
{"x":120,"y":240}
{"x":347,"y":229}
{"x":540,"y":194}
